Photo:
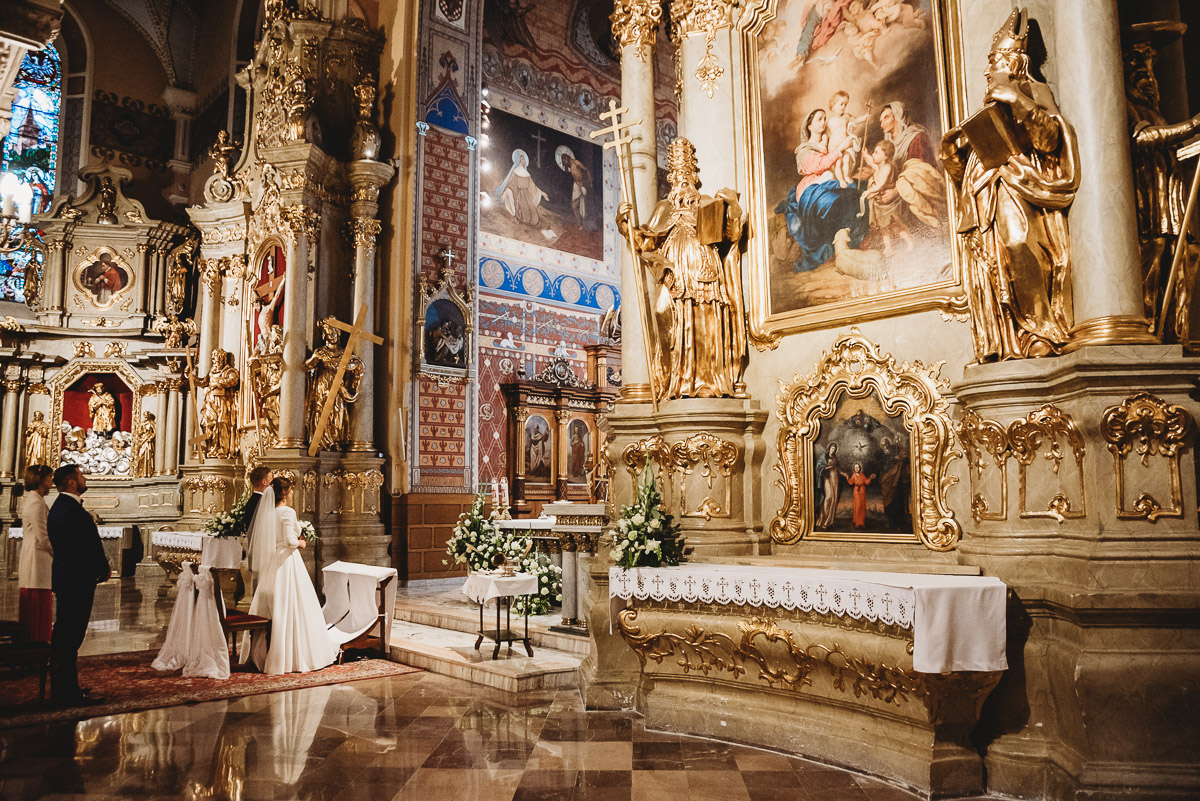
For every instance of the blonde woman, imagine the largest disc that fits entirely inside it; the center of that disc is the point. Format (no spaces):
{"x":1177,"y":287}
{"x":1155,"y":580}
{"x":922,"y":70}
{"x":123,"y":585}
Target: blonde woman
{"x":36,"y":613}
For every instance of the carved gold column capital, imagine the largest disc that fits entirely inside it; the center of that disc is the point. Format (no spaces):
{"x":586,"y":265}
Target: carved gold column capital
{"x":363,"y":232}
{"x":634,"y":23}
{"x":700,"y":16}
{"x":301,"y":221}
{"x":210,"y":275}
{"x":56,"y":245}
{"x":13,"y":384}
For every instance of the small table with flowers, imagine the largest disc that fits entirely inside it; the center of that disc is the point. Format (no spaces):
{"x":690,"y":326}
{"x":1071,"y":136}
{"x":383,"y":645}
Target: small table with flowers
{"x":486,"y":587}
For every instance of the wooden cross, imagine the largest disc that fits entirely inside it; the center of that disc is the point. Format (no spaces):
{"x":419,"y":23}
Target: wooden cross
{"x":540,"y":139}
{"x":199,"y":436}
{"x":356,"y":333}
{"x":268,"y":287}
{"x":621,"y":138}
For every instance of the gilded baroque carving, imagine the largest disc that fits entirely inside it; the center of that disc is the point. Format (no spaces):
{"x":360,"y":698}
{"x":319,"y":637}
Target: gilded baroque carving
{"x":173,"y":330}
{"x":116,"y":350}
{"x":1147,"y":426}
{"x":706,"y":17}
{"x":982,"y":439}
{"x":856,"y":368}
{"x":206,"y":493}
{"x":702,"y":452}
{"x":310,"y":491}
{"x":363,"y":232}
{"x":634,"y":23}
{"x":84,"y":350}
{"x":784,"y":663}
{"x":1052,"y":426}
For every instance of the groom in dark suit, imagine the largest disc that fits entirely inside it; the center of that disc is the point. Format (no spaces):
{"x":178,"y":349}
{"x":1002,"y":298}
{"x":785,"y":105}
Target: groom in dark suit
{"x":260,"y":479}
{"x":79,"y":565}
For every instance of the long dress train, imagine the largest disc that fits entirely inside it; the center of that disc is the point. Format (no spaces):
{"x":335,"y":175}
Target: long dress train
{"x":300,"y":639}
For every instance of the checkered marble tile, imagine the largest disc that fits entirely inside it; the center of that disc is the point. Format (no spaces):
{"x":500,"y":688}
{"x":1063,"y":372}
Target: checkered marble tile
{"x":420,"y":736}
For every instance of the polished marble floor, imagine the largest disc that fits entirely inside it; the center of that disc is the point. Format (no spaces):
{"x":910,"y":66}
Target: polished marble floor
{"x":419,"y":736}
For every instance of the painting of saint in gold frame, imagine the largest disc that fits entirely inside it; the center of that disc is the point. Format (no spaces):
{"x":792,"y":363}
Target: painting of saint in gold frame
{"x":849,"y":197}
{"x":103,"y":277}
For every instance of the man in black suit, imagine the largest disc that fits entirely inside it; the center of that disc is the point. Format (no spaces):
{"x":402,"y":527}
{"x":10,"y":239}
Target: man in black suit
{"x":79,"y":565}
{"x":260,"y":478}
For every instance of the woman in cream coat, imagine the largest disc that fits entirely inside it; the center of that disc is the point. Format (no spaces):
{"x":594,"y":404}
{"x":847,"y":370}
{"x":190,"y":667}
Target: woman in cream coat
{"x":36,"y":610}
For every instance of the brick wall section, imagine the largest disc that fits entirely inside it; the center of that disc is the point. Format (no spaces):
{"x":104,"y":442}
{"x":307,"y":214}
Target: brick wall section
{"x":424,"y":522}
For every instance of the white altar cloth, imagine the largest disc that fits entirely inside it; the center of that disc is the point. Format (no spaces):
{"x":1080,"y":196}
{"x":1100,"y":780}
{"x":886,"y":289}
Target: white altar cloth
{"x":351,"y":601}
{"x":221,"y":552}
{"x":958,"y":622}
{"x":484,"y":588}
{"x":187,"y":540}
{"x":106,"y":533}
{"x":543,"y":524}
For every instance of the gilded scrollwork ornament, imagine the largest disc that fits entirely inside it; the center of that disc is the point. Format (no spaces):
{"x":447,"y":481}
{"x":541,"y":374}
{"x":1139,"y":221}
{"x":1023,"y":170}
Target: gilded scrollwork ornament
{"x":705,"y":17}
{"x":1052,"y":427}
{"x":1148,"y":427}
{"x":983,"y":440}
{"x":856,"y":368}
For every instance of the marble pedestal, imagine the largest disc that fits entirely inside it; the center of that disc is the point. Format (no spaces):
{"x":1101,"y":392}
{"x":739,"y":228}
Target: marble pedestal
{"x":707,"y":454}
{"x":578,"y":527}
{"x":208,"y":489}
{"x":1083,"y":500}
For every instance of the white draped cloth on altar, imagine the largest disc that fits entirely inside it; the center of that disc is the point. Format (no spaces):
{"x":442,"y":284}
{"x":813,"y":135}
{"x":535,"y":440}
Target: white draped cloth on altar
{"x":300,"y":639}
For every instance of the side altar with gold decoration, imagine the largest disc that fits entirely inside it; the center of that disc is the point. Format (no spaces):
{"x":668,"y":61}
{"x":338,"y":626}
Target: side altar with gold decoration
{"x":918,"y":388}
{"x":92,"y":363}
{"x":284,"y":372}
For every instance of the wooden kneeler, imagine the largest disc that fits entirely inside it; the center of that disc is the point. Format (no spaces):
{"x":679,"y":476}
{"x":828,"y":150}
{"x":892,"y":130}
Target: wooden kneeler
{"x":235,"y":623}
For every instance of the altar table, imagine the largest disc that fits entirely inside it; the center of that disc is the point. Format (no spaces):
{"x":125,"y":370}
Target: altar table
{"x":484,"y":588}
{"x":958,"y":622}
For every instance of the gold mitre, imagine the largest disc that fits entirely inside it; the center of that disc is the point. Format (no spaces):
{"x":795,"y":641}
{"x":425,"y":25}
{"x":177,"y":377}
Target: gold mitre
{"x":1013,"y":36}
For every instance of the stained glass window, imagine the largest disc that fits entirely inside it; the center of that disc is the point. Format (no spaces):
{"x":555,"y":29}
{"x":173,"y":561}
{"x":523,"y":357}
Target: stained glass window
{"x":30,"y":152}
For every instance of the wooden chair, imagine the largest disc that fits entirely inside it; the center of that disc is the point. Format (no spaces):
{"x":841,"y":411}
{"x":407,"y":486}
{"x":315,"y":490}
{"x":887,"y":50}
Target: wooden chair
{"x":19,"y":656}
{"x":235,"y":623}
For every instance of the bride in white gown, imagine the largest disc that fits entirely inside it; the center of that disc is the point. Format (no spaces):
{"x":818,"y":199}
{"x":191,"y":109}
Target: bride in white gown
{"x":300,"y":640}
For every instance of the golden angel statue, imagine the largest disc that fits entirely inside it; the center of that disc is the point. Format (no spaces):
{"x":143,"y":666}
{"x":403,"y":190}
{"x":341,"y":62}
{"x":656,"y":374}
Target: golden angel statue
{"x":102,"y":408}
{"x":322,"y":367}
{"x":218,"y":413}
{"x":37,"y":440}
{"x":691,"y":243}
{"x":143,"y":446}
{"x":1015,"y":166}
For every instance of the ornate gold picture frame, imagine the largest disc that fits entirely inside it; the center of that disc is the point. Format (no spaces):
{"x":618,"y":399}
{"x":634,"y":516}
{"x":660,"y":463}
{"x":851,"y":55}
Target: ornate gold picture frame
{"x":445,"y":328}
{"x":63,"y":381}
{"x":907,"y":394}
{"x":849,"y":230}
{"x":103,"y":278}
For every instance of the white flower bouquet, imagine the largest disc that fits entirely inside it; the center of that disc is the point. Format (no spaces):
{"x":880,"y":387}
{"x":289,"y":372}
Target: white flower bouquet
{"x":308,"y":531}
{"x":477,"y":541}
{"x":646,"y":535}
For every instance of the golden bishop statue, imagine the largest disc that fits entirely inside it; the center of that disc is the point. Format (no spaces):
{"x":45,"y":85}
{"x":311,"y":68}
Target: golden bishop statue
{"x":218,"y":414}
{"x":1015,"y":166}
{"x":691,"y":244}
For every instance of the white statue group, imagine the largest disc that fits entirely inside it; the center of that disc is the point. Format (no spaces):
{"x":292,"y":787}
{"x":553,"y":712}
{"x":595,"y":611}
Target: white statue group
{"x":299,"y":639}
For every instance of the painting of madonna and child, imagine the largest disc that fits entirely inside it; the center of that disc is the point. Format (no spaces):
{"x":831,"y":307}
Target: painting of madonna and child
{"x":855,"y":197}
{"x":862,"y":474}
{"x":542,"y":187}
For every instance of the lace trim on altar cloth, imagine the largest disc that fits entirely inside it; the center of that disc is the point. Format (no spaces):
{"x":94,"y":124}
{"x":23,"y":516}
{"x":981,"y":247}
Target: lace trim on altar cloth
{"x":786,"y":589}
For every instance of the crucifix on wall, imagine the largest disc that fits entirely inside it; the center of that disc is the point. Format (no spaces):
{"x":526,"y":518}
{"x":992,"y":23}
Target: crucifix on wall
{"x":540,"y":139}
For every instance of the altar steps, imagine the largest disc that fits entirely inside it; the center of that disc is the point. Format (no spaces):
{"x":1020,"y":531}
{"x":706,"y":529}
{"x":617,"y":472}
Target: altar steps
{"x":435,"y":629}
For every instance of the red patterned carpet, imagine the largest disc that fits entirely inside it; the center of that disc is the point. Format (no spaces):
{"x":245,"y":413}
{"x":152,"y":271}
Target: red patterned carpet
{"x":127,"y":683}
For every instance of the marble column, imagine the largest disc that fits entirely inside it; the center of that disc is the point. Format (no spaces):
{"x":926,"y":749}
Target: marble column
{"x":163,"y":432}
{"x":634,"y":25}
{"x":171,"y":426}
{"x":1105,"y":259}
{"x":233,"y":324}
{"x":210,"y":312}
{"x":362,"y":419}
{"x":52,"y":280}
{"x":145,"y":297}
{"x":562,"y":453}
{"x":707,"y":109}
{"x":8,"y":431}
{"x":302,"y":224}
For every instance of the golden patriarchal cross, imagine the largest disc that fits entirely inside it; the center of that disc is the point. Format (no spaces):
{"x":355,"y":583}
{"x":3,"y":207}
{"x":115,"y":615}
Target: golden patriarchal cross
{"x":356,"y":333}
{"x":621,"y":139}
{"x":201,"y":436}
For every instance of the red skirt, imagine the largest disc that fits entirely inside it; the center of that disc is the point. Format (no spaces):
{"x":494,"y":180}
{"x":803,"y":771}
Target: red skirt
{"x":36,"y":614}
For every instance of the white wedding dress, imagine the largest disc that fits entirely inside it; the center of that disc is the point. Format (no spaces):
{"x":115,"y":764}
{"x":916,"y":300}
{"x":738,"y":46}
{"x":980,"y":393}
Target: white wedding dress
{"x":300,"y":639}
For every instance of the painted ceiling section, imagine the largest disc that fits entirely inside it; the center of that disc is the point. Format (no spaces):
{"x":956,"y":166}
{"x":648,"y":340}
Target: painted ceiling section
{"x":171,"y":27}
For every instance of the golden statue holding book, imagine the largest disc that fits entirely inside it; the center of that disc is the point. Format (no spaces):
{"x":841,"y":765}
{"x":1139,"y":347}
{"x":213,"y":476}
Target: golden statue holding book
{"x":1015,"y":167}
{"x":691,"y":245}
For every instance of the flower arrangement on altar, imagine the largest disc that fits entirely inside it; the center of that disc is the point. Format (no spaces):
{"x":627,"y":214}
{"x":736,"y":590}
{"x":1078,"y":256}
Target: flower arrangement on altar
{"x":480,"y":543}
{"x":646,"y":535}
{"x":233,"y":523}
